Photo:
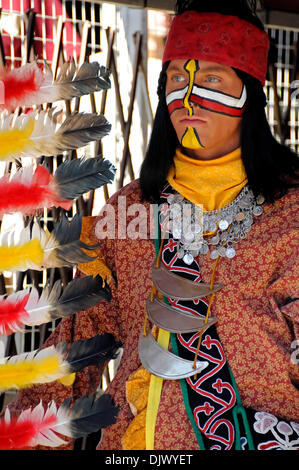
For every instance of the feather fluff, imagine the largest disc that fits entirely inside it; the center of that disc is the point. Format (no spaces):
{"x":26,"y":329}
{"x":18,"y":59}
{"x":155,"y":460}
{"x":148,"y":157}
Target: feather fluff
{"x":53,"y":363}
{"x":26,"y":307}
{"x":27,"y":255}
{"x":37,"y":248}
{"x":38,"y":133}
{"x":29,"y":190}
{"x":29,"y":85}
{"x":39,"y":426}
{"x":13,"y":313}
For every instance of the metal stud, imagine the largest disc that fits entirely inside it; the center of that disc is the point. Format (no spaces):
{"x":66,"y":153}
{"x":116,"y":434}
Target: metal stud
{"x":223,"y":224}
{"x":188,"y":259}
{"x":230,"y":252}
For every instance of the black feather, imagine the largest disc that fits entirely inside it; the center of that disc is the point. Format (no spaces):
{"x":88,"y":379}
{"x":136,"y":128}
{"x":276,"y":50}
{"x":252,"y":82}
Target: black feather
{"x":79,"y":129}
{"x":76,"y":177}
{"x":68,"y":249}
{"x":79,"y":294}
{"x":92,"y":351}
{"x":88,"y":78}
{"x":89,"y":414}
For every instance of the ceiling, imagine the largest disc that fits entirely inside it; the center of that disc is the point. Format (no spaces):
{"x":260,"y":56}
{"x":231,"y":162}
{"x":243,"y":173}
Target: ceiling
{"x":279,"y":5}
{"x":282,"y":5}
{"x":274,"y":12}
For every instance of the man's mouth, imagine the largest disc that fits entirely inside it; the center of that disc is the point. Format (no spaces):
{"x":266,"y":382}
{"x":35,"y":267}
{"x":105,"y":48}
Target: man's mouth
{"x":192,"y":121}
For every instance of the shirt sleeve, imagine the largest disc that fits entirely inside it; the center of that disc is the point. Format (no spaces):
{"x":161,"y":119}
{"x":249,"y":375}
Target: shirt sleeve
{"x":270,"y":432}
{"x":284,"y":300}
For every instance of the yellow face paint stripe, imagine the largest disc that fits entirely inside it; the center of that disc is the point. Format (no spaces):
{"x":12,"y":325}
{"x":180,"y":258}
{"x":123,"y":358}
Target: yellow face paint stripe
{"x":191,"y":68}
{"x":190,"y":139}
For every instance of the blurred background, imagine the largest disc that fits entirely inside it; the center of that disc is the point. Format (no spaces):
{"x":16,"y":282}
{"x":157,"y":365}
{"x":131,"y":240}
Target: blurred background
{"x":128,"y":37}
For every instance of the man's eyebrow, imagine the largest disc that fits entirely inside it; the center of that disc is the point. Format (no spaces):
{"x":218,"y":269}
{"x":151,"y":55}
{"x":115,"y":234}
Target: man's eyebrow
{"x":175,"y":68}
{"x":214,"y":68}
{"x":205,"y":69}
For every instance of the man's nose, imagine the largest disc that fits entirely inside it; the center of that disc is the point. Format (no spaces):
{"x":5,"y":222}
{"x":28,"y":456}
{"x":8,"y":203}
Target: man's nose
{"x":191,"y":66}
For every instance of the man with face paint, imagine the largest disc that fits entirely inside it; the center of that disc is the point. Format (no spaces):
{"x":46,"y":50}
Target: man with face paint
{"x":207,"y":311}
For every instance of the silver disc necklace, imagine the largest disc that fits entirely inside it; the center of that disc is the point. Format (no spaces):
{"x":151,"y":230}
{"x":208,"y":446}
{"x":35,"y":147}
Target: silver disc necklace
{"x":196,"y":230}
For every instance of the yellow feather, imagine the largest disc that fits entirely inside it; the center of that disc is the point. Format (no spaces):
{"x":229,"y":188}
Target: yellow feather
{"x":16,"y":140}
{"x":24,"y":373}
{"x":68,"y":379}
{"x":17,"y":257}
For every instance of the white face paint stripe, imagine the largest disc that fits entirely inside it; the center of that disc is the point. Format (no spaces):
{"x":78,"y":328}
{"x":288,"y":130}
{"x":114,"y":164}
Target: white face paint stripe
{"x":211,"y":95}
{"x":222,"y":98}
{"x":176,"y":95}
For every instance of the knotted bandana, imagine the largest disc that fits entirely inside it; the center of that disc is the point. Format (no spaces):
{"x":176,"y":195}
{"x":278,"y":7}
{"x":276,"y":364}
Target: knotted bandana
{"x":224,"y":39}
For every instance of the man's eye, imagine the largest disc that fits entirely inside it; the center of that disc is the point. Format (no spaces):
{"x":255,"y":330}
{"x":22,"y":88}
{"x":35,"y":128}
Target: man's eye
{"x":213,"y":79}
{"x":178,"y":78}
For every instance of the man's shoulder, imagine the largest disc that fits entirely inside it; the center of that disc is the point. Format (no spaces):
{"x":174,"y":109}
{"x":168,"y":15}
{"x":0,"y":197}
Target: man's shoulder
{"x":130,"y":191}
{"x":289,"y":201}
{"x":285,"y":209}
{"x":132,"y":194}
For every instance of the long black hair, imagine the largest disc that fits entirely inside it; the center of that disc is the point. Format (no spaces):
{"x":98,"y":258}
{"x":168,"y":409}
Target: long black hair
{"x":271,"y":168}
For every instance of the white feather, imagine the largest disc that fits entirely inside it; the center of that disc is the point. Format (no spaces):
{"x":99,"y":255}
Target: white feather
{"x":71,"y":81}
{"x":38,"y":412}
{"x":37,"y":307}
{"x":45,"y":436}
{"x":70,"y":419}
{"x":7,"y":416}
{"x":24,"y":415}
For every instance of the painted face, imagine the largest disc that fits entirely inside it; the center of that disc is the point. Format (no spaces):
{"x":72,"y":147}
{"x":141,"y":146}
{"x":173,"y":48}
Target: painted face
{"x":206,"y":102}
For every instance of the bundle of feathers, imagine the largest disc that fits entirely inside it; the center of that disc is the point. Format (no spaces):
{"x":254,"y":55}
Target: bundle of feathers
{"x":36,"y":248}
{"x":29,"y":85}
{"x":38,"y":134}
{"x":52,"y":363}
{"x":27,"y":307}
{"x":39,"y":426}
{"x":29,"y":190}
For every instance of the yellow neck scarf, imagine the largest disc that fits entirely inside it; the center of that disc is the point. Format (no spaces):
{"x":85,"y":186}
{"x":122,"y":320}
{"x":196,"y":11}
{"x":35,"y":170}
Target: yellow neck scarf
{"x":212,"y":183}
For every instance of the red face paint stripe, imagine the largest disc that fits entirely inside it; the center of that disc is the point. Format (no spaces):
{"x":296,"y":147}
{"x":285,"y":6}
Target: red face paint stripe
{"x":217,"y":107}
{"x":174,"y":105}
{"x":209,"y":105}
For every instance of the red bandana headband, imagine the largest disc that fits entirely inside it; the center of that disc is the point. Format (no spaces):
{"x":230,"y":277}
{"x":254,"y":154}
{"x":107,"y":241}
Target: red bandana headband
{"x":224,"y":39}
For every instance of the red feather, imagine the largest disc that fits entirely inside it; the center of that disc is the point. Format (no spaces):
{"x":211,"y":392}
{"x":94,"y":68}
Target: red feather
{"x":41,"y":176}
{"x":16,"y":435}
{"x":12,"y":88}
{"x":39,"y":426}
{"x":12,"y":313}
{"x":18,"y":84}
{"x":28,"y":196}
